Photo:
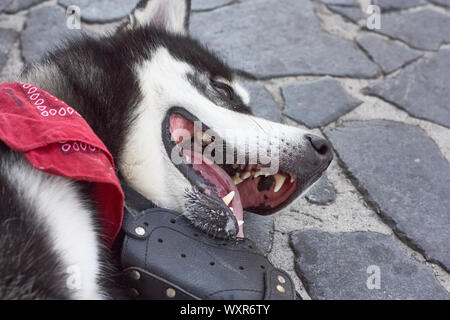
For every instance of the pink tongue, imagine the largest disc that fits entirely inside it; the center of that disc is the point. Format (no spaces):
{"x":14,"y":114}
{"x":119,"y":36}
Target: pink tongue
{"x":221,"y":180}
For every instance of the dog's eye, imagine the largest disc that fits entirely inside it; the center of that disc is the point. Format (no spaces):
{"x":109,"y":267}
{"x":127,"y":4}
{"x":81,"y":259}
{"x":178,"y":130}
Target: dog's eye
{"x":223,"y":89}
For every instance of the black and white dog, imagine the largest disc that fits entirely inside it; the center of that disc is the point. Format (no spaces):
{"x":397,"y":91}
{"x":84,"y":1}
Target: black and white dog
{"x":143,"y":90}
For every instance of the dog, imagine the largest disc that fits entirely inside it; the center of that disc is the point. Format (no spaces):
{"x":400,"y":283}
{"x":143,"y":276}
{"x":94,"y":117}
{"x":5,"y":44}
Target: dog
{"x":147,"y":91}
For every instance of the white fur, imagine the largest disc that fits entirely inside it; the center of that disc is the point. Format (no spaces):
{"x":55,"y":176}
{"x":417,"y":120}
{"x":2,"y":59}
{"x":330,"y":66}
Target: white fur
{"x":241,"y":92}
{"x":59,"y":204}
{"x":168,"y":14}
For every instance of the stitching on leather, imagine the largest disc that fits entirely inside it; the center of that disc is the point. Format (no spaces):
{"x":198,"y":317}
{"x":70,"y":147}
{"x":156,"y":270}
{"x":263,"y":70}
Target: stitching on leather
{"x":251,"y":290}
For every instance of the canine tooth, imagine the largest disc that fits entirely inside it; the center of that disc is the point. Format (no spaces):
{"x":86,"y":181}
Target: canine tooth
{"x":227,"y":199}
{"x":240,"y":222}
{"x":279,"y":181}
{"x":206,"y":137}
{"x":292,"y":178}
{"x":246,"y":175}
{"x":237,"y":179}
{"x":232,"y":210}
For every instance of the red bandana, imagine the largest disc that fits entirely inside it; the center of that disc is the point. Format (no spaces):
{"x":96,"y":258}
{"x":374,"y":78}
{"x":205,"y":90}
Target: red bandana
{"x":55,"y":139}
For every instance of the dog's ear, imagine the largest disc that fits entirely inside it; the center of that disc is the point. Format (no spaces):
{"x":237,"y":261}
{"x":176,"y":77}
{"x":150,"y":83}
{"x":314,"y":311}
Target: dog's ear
{"x":170,"y":15}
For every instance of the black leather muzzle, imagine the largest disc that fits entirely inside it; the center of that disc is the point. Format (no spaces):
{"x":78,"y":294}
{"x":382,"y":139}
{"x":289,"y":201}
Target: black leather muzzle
{"x":165,"y":257}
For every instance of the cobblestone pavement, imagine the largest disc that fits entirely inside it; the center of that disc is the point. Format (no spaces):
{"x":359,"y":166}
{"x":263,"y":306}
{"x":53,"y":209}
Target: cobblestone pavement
{"x":377,"y":226}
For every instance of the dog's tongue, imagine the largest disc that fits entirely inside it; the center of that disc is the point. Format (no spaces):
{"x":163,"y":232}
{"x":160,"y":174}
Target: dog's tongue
{"x":207,"y":168}
{"x":220,"y":179}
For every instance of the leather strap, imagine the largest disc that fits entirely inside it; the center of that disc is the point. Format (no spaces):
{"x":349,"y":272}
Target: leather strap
{"x":165,"y":257}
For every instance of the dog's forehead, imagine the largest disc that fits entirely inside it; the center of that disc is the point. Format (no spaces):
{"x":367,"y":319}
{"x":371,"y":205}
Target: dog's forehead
{"x":200,"y":67}
{"x":191,"y":51}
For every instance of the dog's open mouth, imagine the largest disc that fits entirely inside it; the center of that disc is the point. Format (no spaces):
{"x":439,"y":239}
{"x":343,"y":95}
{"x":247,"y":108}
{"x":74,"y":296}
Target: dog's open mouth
{"x":225,"y":188}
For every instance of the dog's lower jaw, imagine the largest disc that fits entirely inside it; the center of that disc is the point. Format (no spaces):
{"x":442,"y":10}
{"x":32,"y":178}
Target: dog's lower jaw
{"x":214,"y":221}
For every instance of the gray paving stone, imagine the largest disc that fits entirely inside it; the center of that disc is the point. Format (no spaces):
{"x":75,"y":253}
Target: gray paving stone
{"x":421,"y":89}
{"x":17,"y":5}
{"x":267,"y":40}
{"x":4,"y":4}
{"x":317,"y":103}
{"x":389,"y":55}
{"x":259,"y":229}
{"x":445,"y":3}
{"x":404,"y":175}
{"x":208,"y":4}
{"x":340,"y":2}
{"x":339,"y":266}
{"x":8,"y":37}
{"x":398,"y":4}
{"x":322,"y":192}
{"x":262,"y":103}
{"x":102,"y":10}
{"x":45,"y":29}
{"x":425,"y":29}
{"x":353,"y":14}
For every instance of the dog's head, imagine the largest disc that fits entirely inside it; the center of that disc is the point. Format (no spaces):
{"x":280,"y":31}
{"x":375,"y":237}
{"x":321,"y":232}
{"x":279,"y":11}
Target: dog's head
{"x":194,"y":145}
{"x":177,"y":122}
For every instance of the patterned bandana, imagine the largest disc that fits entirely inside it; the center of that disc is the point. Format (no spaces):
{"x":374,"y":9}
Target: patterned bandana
{"x":55,"y":139}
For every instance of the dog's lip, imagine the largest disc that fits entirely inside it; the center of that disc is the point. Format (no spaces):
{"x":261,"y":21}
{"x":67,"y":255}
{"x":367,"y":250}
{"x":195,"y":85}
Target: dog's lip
{"x":299,"y":189}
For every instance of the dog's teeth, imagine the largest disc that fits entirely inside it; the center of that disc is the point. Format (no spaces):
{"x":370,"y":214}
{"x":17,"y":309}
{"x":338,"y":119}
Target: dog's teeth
{"x":237,"y":179}
{"x":206,"y":137}
{"x":240,"y":222}
{"x":246,"y":175}
{"x":279,"y":181}
{"x":292,"y":178}
{"x":232,"y":210}
{"x":227,"y":199}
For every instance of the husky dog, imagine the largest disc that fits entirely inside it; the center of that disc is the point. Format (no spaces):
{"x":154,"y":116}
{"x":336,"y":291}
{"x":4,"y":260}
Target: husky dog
{"x":141,"y":89}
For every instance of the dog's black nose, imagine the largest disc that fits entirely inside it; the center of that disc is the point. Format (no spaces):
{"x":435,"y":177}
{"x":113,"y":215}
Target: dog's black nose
{"x":321,"y":148}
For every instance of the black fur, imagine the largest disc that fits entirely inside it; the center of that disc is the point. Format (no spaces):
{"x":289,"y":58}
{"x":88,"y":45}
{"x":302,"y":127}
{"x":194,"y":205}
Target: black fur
{"x":96,"y":77}
{"x":107,"y":94}
{"x":206,"y":214}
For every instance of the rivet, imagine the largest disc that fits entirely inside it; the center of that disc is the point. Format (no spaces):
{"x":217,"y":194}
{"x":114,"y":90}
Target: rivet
{"x":281,"y":279}
{"x":134,"y":292}
{"x":139,"y":231}
{"x":281,"y":289}
{"x":170,"y":292}
{"x":135,"y":275}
